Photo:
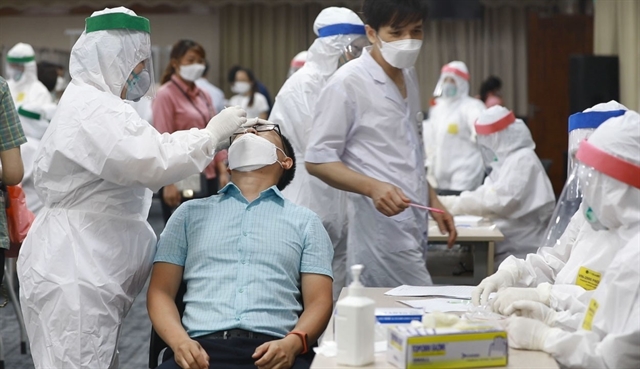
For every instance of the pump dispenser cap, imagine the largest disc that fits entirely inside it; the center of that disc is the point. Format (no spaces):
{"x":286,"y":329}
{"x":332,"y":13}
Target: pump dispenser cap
{"x":356,"y":286}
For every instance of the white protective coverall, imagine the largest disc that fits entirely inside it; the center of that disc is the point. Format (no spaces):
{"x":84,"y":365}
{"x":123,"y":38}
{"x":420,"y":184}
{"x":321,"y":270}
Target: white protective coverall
{"x":568,"y":272}
{"x":90,"y":249}
{"x":517,"y":195}
{"x":608,"y":333}
{"x":294,"y":110}
{"x":452,"y":156}
{"x":35,"y":121}
{"x":27,"y":88}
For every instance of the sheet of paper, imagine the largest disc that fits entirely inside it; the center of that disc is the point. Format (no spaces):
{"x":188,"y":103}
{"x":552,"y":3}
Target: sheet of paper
{"x":457,"y":292}
{"x":439,"y":304}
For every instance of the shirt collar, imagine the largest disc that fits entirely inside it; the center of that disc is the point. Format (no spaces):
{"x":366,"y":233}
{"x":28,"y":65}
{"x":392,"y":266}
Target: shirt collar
{"x":192,"y":92}
{"x":233,"y":190}
{"x":372,"y":66}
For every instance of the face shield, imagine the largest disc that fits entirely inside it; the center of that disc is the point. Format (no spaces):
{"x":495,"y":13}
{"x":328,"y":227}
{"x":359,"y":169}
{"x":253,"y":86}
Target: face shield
{"x":135,"y":52}
{"x":353,"y":50}
{"x":141,"y":82}
{"x":452,"y":83}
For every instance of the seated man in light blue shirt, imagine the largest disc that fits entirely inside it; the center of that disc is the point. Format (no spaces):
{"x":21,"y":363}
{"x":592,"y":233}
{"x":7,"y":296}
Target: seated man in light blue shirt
{"x":251,"y":260}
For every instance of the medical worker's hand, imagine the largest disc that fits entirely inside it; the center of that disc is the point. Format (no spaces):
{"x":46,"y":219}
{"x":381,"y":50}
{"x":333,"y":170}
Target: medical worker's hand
{"x":223,"y":125}
{"x":171,"y":196}
{"x":510,"y":295}
{"x":493,"y":283}
{"x":190,"y":355}
{"x":534,"y":310}
{"x":445,"y":222}
{"x":278,"y":354}
{"x":525,"y":333}
{"x":388,"y":199}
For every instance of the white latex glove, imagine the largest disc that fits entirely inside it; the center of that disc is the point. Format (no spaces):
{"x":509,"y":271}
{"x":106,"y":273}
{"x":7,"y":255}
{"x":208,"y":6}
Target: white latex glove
{"x":223,"y":125}
{"x":510,"y":295}
{"x":534,"y":310}
{"x":493,"y":283}
{"x":525,"y":333}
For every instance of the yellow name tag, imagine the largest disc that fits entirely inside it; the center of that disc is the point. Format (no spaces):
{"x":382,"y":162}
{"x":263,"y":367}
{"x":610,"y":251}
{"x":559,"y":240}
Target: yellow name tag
{"x":452,"y":129}
{"x":588,"y":316}
{"x":20,"y":96}
{"x":588,"y":279}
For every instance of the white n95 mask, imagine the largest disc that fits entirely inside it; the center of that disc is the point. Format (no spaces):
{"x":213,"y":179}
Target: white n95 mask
{"x":402,"y":53}
{"x":241,"y":87}
{"x":191,"y":72}
{"x":250,"y":152}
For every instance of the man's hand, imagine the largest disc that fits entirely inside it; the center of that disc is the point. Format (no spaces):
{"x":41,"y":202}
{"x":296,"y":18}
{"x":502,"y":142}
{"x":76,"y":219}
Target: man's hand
{"x":190,"y":355}
{"x":388,"y":199}
{"x":278,"y":354}
{"x":171,"y":196}
{"x":445,"y":222}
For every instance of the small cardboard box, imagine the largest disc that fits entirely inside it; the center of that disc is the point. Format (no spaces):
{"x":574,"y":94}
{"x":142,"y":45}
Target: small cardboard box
{"x":416,"y":348}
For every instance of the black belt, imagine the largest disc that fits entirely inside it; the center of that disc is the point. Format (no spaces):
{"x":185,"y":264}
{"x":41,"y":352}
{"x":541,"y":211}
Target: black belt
{"x":237,"y":333}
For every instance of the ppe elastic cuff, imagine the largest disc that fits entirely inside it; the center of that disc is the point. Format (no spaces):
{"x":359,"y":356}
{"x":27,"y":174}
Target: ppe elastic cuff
{"x":544,"y":291}
{"x":510,"y":266}
{"x":550,"y":340}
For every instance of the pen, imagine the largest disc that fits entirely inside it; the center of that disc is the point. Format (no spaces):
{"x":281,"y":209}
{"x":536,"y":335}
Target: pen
{"x":426,"y":208}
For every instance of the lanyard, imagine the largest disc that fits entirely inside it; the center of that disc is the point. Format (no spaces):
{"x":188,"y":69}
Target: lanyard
{"x":204,"y":118}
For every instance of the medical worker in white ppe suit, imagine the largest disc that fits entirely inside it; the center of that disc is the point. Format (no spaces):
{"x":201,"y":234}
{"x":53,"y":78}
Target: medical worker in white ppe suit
{"x":90,"y":249}
{"x":565,"y":274}
{"x":22,"y":77}
{"x":517,"y":195}
{"x":341,"y":38}
{"x":452,"y":156}
{"x":608,"y":335}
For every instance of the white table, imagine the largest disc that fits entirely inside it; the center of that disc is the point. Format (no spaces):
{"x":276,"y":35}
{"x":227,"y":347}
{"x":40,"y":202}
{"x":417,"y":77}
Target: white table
{"x":482,"y":239}
{"x":517,"y":358}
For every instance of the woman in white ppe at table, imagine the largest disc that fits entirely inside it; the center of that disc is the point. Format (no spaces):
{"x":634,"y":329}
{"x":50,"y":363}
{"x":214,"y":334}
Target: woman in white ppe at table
{"x":609,"y":333}
{"x":452,"y":156}
{"x":570,"y":270}
{"x":23,"y":77}
{"x":341,"y":37}
{"x":90,"y":249}
{"x":517,"y":195}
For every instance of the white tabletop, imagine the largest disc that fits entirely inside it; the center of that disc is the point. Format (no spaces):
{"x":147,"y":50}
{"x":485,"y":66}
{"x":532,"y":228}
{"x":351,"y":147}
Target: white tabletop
{"x":517,"y":358}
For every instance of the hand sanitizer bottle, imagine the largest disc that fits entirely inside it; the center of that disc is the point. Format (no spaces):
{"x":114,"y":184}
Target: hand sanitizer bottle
{"x":355,"y":324}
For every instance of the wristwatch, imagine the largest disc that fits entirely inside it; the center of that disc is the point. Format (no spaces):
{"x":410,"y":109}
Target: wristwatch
{"x":303,"y":336}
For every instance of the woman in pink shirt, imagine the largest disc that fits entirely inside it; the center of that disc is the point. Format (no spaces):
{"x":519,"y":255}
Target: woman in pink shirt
{"x":180,"y":105}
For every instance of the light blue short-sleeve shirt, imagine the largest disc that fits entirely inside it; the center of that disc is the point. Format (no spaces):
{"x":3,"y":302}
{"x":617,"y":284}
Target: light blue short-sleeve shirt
{"x":242,"y":261}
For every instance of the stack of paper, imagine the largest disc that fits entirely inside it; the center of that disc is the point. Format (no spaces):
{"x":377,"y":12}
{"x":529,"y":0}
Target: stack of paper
{"x":439,"y":304}
{"x":456,"y":292}
{"x":467,"y":220}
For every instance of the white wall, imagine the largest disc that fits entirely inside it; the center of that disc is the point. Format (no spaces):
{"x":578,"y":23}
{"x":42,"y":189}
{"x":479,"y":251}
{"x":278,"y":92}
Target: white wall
{"x":49,"y":32}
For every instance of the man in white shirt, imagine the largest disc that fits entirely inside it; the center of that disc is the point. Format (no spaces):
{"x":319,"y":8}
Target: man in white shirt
{"x":366,"y":140}
{"x":216,"y":94}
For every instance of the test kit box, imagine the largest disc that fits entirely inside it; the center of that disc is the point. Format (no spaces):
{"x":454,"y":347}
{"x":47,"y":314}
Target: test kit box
{"x":417,"y":348}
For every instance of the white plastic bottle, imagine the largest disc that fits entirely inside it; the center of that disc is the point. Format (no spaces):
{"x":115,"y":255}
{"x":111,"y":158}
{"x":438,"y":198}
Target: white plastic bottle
{"x":355,"y":324}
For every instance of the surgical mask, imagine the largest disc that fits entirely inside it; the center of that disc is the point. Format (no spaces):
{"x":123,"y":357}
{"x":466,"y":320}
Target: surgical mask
{"x":449,"y":89}
{"x":138,"y":85}
{"x":15,"y":73}
{"x":402,"y":53}
{"x":241,"y":87}
{"x":251,"y":152}
{"x":592,"y":218}
{"x":191,"y":72}
{"x":60,"y":84}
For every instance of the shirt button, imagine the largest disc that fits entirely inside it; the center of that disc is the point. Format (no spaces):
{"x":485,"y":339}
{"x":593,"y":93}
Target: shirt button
{"x":245,"y":233}
{"x":241,"y":290}
{"x":237,"y":318}
{"x":244,"y":261}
